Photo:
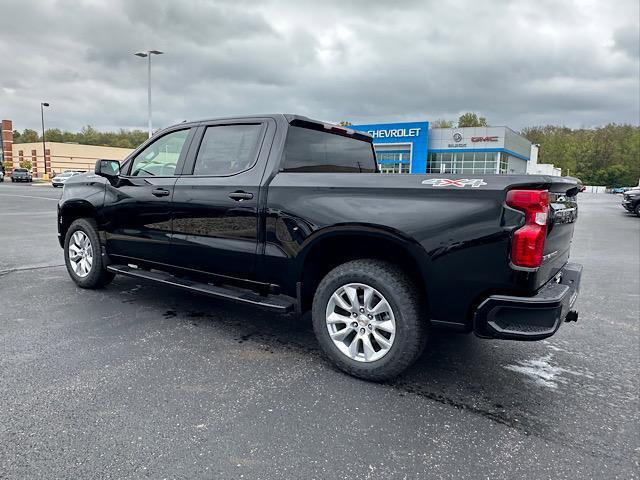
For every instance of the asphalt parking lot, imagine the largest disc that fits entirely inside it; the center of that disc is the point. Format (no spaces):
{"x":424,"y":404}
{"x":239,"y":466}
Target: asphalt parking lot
{"x":139,"y":380}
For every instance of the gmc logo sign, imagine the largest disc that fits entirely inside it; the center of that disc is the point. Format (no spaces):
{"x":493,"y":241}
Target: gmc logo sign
{"x":484,"y":139}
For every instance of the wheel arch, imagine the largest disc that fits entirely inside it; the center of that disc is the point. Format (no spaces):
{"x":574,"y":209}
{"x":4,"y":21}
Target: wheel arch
{"x":71,"y":211}
{"x":335,"y":245}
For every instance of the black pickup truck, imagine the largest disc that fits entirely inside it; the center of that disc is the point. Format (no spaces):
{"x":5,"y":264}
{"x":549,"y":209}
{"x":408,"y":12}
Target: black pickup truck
{"x":291,"y":214}
{"x":631,"y":200}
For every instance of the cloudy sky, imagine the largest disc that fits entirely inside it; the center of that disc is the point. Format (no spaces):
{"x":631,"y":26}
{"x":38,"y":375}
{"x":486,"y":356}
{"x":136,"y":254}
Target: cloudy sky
{"x":518,"y":63}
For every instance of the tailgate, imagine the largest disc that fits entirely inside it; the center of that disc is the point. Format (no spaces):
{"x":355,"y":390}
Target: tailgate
{"x":563,"y":212}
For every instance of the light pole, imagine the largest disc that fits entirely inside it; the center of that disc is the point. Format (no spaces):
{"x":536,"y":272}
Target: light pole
{"x":44,"y":145}
{"x":148,"y":54}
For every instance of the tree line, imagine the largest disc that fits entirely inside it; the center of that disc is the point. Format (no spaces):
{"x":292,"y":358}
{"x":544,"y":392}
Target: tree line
{"x":87,"y":136}
{"x":607,"y":155}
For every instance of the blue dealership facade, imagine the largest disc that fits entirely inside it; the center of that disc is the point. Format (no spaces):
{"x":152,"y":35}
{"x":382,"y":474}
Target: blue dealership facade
{"x":411,"y":147}
{"x":400,"y":147}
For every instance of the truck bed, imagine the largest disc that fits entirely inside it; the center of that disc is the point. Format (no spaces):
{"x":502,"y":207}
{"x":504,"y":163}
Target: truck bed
{"x":462,"y":237}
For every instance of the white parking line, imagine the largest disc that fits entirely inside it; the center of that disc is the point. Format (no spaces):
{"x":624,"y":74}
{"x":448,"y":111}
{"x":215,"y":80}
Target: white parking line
{"x":28,"y":196}
{"x":34,"y":267}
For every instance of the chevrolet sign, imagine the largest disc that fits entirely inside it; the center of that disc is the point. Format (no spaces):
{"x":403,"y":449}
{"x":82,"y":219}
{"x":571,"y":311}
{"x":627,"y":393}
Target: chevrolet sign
{"x":395,"y":133}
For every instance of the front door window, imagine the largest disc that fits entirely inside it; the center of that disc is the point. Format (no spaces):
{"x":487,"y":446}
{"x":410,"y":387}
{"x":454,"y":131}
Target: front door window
{"x":160,"y":158}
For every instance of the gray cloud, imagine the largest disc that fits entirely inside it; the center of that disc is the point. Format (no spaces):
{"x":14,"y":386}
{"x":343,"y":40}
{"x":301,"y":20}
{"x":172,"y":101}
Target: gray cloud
{"x":627,"y":40}
{"x":516,"y":62}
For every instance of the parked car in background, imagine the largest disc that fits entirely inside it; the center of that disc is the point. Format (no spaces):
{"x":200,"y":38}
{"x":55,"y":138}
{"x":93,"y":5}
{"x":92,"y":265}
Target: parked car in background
{"x":618,"y":190}
{"x":631,"y":200}
{"x":21,"y":175}
{"x":61,"y":178}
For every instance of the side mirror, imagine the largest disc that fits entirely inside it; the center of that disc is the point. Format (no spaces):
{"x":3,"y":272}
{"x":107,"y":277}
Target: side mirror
{"x":107,"y":168}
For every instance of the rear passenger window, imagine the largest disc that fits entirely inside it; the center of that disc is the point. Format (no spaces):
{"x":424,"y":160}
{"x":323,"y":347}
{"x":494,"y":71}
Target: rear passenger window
{"x":228,"y":149}
{"x":308,"y":150}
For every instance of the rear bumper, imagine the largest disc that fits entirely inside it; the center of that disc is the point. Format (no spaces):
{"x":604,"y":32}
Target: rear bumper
{"x":530,"y":318}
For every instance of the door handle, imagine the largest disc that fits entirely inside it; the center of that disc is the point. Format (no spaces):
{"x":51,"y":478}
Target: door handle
{"x":160,"y":192}
{"x":240,"y":196}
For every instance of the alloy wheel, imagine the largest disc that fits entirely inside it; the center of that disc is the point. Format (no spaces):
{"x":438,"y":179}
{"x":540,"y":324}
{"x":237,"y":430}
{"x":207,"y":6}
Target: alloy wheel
{"x":80,"y":253}
{"x":360,"y":322}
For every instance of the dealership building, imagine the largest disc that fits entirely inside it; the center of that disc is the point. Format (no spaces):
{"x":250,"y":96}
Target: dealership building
{"x":414,"y":148}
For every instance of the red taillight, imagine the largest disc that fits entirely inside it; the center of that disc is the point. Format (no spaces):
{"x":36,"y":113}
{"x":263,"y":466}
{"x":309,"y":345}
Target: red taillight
{"x":527,"y":246}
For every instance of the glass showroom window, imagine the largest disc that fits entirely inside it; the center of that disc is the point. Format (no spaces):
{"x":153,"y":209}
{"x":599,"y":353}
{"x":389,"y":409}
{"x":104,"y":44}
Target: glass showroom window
{"x":490,"y":162}
{"x":393,"y":162}
{"x":467,"y":162}
{"x":442,"y":163}
{"x":434,"y":163}
{"x":504,"y":162}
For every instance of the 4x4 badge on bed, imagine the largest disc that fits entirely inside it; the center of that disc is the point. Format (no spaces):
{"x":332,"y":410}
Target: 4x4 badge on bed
{"x":446,"y":182}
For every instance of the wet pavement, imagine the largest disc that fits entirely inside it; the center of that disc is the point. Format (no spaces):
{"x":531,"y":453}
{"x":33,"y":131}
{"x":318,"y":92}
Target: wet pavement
{"x":139,"y":380}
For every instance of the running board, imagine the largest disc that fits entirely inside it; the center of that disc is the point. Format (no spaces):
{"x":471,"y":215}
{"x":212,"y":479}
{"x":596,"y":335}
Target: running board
{"x":278,"y":303}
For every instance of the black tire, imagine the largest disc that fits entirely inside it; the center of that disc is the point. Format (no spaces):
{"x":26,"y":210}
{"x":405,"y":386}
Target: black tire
{"x":637,"y":210}
{"x":407,"y":302}
{"x":97,"y":276}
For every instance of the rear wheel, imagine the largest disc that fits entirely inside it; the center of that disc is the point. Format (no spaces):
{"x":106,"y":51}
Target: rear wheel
{"x":82,"y":255}
{"x":370,"y":319}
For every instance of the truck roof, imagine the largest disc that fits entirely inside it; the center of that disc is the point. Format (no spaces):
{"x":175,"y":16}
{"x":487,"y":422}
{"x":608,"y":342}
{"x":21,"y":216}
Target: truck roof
{"x":292,"y":119}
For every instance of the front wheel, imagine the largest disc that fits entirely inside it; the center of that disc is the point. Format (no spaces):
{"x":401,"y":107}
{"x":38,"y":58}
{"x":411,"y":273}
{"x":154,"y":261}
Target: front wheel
{"x":370,"y":319}
{"x":82,"y":255}
{"x":637,"y":210}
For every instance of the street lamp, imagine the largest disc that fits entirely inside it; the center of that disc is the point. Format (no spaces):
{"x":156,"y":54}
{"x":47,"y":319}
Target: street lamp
{"x":44,"y":146}
{"x":148,"y":54}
